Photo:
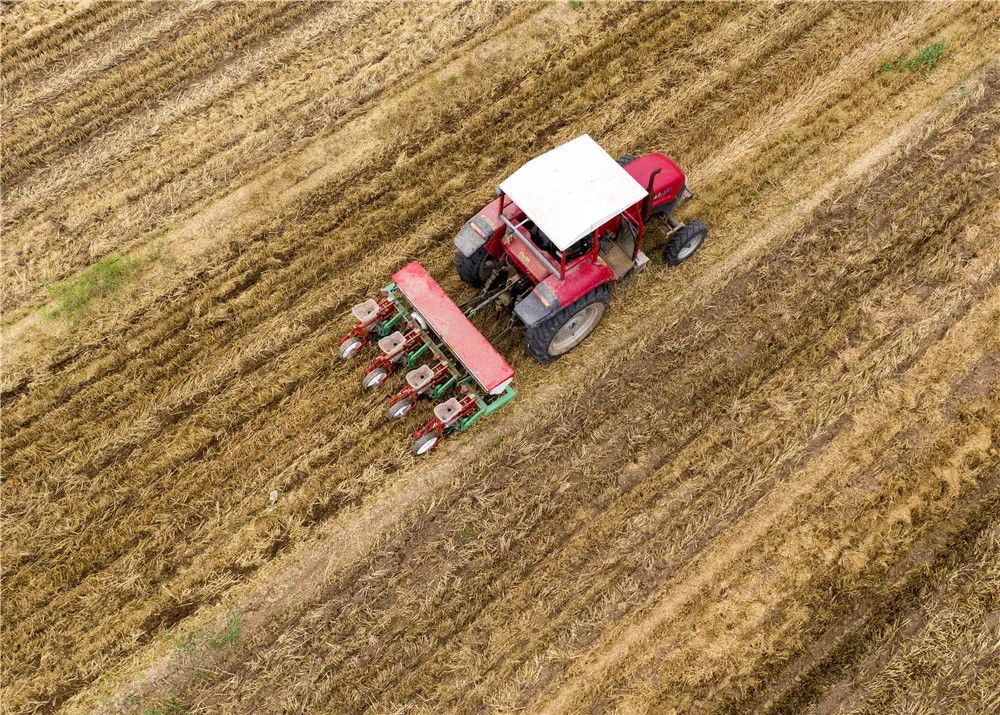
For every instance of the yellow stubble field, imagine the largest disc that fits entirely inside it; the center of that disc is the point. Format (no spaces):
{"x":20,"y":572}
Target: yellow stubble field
{"x":769,"y":482}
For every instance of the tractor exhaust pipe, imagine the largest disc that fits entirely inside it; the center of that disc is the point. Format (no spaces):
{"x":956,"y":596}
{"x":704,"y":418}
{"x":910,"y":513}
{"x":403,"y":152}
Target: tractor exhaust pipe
{"x":647,"y":203}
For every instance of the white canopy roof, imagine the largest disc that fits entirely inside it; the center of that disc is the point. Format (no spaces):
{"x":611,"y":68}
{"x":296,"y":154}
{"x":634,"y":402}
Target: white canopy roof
{"x":571,"y":190}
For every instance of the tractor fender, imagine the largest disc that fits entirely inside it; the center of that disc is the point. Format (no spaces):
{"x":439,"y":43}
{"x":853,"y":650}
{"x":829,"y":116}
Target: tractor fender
{"x":483,"y":229}
{"x":580,"y":279}
{"x":476,"y":233}
{"x":539,"y":304}
{"x":553,"y":294}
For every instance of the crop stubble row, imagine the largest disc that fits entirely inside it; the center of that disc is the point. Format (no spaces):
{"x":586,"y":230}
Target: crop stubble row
{"x":230,"y":410}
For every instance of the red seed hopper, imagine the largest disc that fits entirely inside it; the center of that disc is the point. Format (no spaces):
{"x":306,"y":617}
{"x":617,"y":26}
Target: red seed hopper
{"x":418,"y":328}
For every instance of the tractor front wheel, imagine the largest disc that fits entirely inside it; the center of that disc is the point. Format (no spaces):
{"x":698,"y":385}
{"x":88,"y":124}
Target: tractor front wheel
{"x":684,"y":242}
{"x":475,"y":269}
{"x":556,"y":336}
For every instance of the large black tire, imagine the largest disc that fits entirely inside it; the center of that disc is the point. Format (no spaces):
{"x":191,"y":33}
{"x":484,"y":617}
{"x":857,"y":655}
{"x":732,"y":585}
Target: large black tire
{"x":475,"y":269}
{"x":684,"y":242}
{"x":540,"y":339}
{"x":627,"y":159}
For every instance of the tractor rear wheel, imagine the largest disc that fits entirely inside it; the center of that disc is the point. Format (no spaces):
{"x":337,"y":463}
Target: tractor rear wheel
{"x":684,"y":242}
{"x":556,"y":336}
{"x":475,"y":269}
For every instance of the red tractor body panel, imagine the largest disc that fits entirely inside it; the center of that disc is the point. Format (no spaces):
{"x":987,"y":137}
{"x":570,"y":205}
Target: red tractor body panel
{"x":526,"y":262}
{"x":668,"y":182}
{"x":581,"y":278}
{"x":448,"y":321}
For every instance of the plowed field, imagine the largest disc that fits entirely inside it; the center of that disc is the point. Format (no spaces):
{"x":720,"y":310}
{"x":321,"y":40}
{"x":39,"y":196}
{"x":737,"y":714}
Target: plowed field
{"x":769,"y":482}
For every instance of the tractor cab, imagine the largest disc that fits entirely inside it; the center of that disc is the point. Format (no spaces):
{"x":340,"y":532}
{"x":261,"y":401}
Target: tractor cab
{"x":562,"y":228}
{"x":566,"y":209}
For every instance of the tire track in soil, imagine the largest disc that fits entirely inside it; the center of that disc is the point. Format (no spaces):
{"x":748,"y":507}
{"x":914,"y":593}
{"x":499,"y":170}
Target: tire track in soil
{"x":156,"y":30}
{"x":670,"y":607}
{"x":837,"y":649}
{"x":22,"y":58}
{"x":77,"y":119}
{"x":958,"y":581}
{"x":660,"y":695}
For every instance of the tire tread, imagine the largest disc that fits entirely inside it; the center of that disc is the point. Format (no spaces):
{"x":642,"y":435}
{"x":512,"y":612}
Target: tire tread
{"x":680,"y":239}
{"x":468,"y":267}
{"x":537,"y":338}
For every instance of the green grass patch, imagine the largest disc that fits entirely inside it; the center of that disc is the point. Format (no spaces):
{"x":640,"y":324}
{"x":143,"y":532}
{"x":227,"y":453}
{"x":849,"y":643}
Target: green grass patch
{"x":73,"y":297}
{"x":199,"y":640}
{"x":926,"y":58}
{"x":228,"y":635}
{"x":576,"y":4}
{"x":170,"y":706}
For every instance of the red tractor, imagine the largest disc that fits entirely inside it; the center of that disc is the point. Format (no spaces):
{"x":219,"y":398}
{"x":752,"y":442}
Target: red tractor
{"x":562,"y":228}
